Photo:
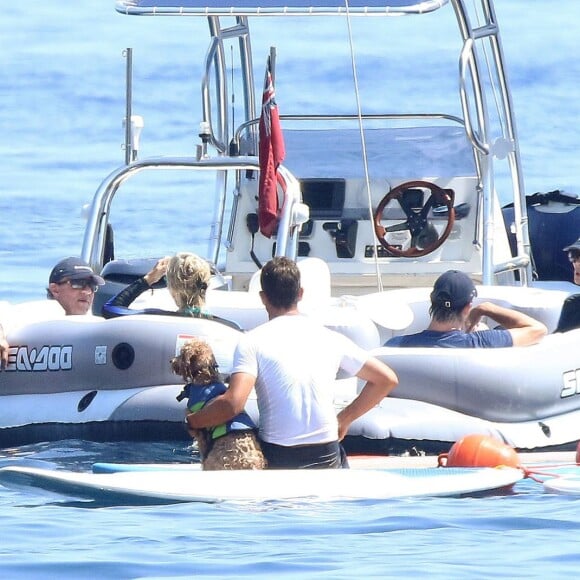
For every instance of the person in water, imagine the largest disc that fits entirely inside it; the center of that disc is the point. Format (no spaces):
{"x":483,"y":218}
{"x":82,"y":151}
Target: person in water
{"x":231,"y":445}
{"x":188,"y":277}
{"x":454,"y":320}
{"x":570,"y":313}
{"x":292,"y":361}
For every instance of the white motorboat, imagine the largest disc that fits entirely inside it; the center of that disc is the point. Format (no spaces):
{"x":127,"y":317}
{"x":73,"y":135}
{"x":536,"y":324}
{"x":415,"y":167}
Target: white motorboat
{"x":373,"y":206}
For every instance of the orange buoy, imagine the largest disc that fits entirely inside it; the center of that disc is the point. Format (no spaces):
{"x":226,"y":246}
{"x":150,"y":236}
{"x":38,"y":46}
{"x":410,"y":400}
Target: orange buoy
{"x":479,"y":451}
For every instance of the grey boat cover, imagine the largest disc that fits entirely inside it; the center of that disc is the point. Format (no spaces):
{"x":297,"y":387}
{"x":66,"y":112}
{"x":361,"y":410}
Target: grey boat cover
{"x":275,"y":8}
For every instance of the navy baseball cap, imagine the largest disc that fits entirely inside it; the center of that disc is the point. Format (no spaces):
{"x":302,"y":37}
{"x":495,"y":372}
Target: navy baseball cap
{"x":73,"y":269}
{"x":574,"y":246}
{"x":453,"y":290}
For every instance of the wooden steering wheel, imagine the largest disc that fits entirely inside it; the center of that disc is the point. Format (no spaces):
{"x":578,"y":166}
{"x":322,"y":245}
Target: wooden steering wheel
{"x":424,"y":236}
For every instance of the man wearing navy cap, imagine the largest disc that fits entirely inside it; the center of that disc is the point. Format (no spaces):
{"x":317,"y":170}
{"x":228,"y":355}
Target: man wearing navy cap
{"x":570,"y":314}
{"x":453,"y":320}
{"x":72,"y":283}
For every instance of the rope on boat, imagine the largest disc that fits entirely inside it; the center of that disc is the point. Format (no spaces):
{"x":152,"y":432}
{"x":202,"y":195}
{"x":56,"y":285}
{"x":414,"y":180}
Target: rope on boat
{"x":363,"y":142}
{"x":540,"y":474}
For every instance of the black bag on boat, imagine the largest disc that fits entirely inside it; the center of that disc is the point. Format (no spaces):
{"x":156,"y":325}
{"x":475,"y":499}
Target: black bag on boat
{"x":553,"y":223}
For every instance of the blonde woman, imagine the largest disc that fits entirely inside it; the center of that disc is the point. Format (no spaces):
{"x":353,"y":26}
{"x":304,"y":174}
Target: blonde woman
{"x":187,"y":276}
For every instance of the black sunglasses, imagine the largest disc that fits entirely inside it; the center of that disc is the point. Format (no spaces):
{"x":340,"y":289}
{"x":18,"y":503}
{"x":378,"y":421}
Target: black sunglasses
{"x":574,"y":255}
{"x":81,"y":284}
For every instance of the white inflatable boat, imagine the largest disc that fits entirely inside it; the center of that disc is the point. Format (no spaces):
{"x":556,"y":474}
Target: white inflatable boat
{"x":374,"y":208}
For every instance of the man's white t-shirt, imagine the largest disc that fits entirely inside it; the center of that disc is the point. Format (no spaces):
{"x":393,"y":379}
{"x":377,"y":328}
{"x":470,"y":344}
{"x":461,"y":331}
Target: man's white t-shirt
{"x":295,"y":361}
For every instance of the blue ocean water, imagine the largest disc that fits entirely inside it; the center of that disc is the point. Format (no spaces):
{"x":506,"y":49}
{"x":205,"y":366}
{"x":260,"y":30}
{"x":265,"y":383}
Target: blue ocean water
{"x":61,"y":107}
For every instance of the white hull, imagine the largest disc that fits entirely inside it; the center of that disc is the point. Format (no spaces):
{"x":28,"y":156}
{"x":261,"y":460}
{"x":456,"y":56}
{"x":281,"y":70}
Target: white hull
{"x":527,"y":396}
{"x":424,"y":198}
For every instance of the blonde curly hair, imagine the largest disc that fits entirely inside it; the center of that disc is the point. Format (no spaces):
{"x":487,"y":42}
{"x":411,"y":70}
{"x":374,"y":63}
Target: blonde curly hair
{"x":196,"y":363}
{"x":187,"y":279}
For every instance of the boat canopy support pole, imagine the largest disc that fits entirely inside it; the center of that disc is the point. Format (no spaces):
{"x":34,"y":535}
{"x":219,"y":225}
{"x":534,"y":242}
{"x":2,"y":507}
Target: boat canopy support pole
{"x":215,"y":65}
{"x":505,"y":146}
{"x":218,"y":133}
{"x":215,"y":62}
{"x":94,"y":240}
{"x":514,"y":159}
{"x":294,"y":213}
{"x":128,"y":53}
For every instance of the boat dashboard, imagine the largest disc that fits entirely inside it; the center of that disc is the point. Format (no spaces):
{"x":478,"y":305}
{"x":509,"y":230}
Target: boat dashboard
{"x":343,"y":194}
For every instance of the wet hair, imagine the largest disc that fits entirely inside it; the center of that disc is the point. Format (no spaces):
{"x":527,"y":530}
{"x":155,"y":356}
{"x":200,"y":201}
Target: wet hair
{"x":280,"y":280}
{"x":187,"y":279}
{"x":196,"y":363}
{"x":442,"y":314}
{"x":452,"y":292}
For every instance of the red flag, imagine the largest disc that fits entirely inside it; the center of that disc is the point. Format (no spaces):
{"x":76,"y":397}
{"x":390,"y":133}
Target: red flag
{"x":271,"y":154}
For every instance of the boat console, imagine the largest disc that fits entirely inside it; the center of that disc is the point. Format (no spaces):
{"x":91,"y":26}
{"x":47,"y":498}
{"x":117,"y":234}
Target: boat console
{"x":373,"y":206}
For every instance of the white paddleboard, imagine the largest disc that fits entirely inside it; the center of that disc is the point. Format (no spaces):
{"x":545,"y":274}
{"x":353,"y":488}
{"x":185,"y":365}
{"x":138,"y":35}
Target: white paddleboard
{"x":124,"y":467}
{"x":566,"y":484}
{"x":563,"y":478}
{"x":355,"y":462}
{"x":172,"y":486}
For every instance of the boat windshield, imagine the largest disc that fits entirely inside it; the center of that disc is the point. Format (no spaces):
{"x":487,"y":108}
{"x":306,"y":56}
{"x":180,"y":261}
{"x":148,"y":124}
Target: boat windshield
{"x":273,"y":8}
{"x":401,"y":152}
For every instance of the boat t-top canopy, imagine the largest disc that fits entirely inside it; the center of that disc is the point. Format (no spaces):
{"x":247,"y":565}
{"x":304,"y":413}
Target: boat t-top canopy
{"x":275,"y":8}
{"x":485,"y":131}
